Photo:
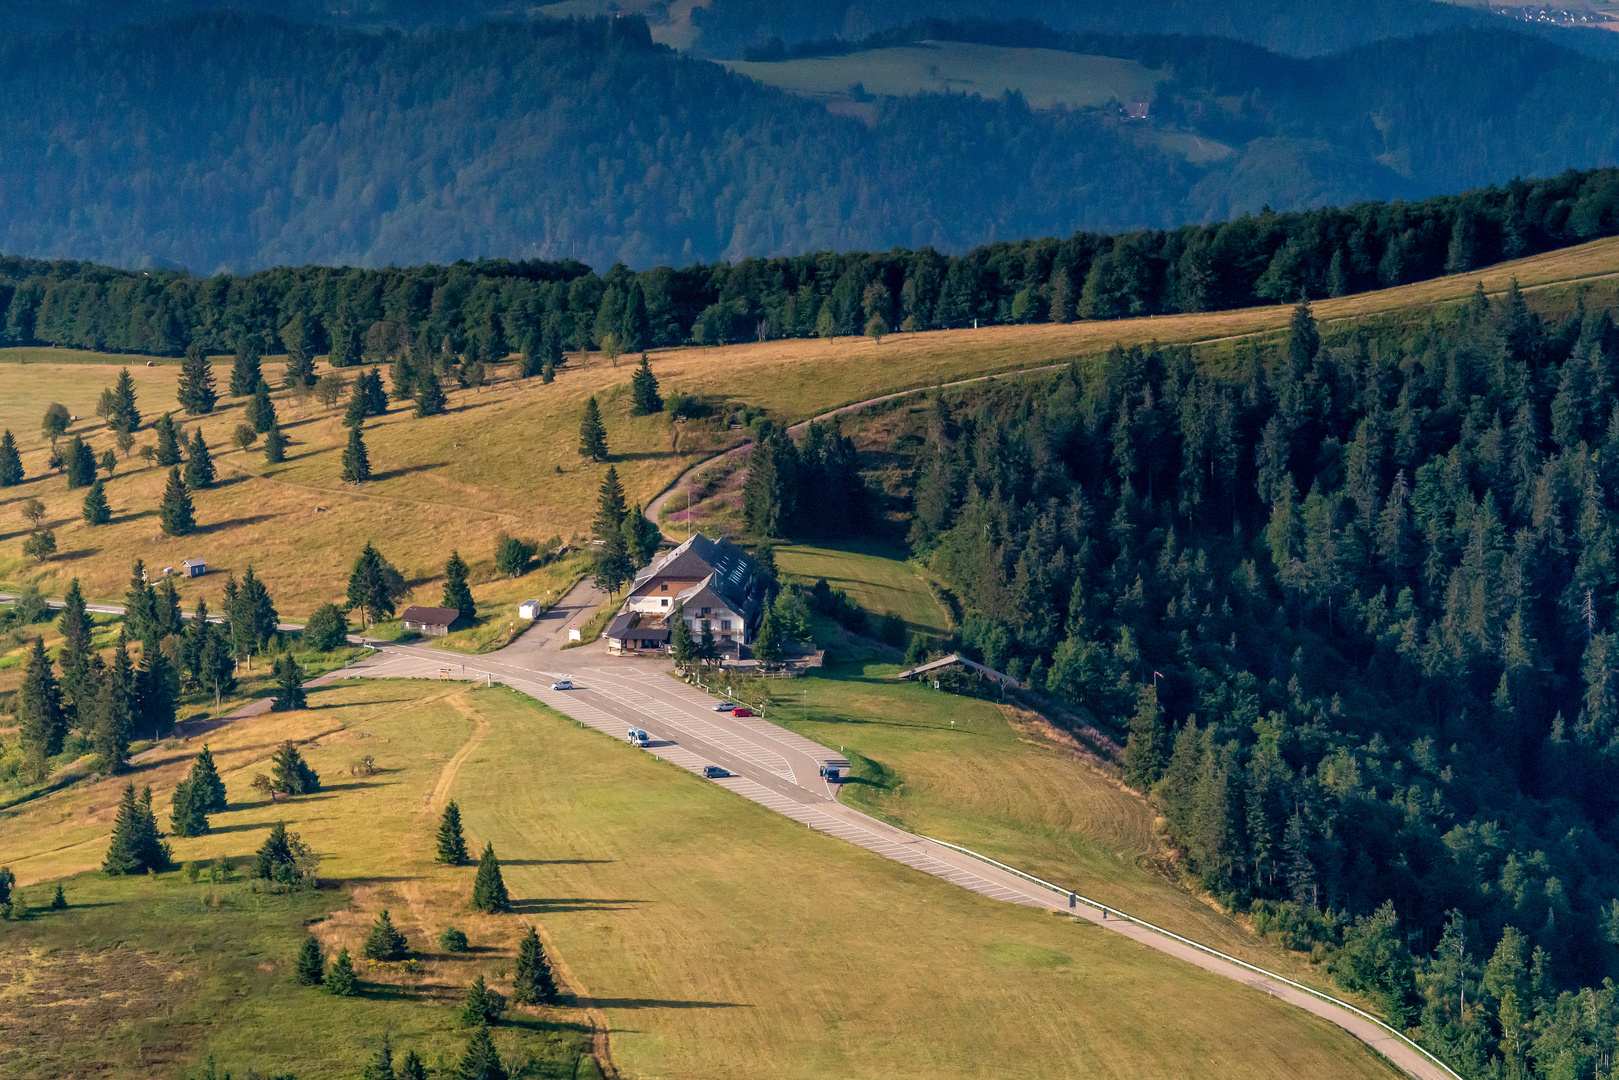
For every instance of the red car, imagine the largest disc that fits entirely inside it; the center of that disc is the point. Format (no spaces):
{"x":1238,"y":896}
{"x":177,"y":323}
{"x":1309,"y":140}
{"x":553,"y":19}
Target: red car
{"x":741,"y":712}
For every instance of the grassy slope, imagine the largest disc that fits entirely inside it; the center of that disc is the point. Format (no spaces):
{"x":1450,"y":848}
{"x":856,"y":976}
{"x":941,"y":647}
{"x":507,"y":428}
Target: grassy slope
{"x":1045,"y":77}
{"x":505,"y":458}
{"x":719,"y":939}
{"x":873,"y":577}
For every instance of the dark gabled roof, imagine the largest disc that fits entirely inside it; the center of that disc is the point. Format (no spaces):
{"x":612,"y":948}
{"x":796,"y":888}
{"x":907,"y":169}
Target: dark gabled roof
{"x":719,"y":564}
{"x":431,"y":616}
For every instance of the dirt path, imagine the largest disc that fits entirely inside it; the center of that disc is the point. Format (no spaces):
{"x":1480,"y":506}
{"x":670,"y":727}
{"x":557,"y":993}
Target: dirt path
{"x":480,"y":727}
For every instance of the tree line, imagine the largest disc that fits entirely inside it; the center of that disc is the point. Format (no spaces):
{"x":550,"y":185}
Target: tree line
{"x":1352,"y":608}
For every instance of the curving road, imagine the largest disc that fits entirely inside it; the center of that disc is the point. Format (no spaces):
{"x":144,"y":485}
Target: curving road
{"x":780,"y":770}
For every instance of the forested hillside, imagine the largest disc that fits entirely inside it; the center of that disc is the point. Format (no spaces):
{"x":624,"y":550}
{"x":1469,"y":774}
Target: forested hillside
{"x":487,"y":309}
{"x":230,"y":142}
{"x":1361,"y":600}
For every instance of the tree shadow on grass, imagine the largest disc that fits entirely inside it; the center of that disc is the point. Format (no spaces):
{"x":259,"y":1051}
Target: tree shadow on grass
{"x":354,"y":785}
{"x":555,"y":862}
{"x":258,"y":826}
{"x":647,"y":1003}
{"x":221,"y":526}
{"x":75,"y":555}
{"x":394,"y":474}
{"x":232,"y":481}
{"x":571,"y":903}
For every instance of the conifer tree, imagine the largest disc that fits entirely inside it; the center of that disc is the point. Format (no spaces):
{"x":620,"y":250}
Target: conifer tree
{"x":187,"y":815}
{"x":244,"y":373}
{"x":1144,"y":749}
{"x":381,"y":1065}
{"x":402,"y":379}
{"x":457,"y":594}
{"x":290,"y":774}
{"x":10,"y":461}
{"x":275,"y":445}
{"x":356,"y":465}
{"x":359,"y":404}
{"x":199,"y":463}
{"x":124,"y":416}
{"x":341,"y":980}
{"x":175,"y":514}
{"x":644,"y":399}
{"x":260,"y":412}
{"x":289,"y":688}
{"x":168,"y":441}
{"x":74,"y":624}
{"x":376,"y":398}
{"x":430,"y":399}
{"x":767,"y":645}
{"x":680,"y":643}
{"x":7,"y":881}
{"x":310,"y":969}
{"x":481,"y":1062}
{"x":300,"y":369}
{"x":634,"y":327}
{"x":79,"y":463}
{"x":374,"y":585}
{"x":206,"y":786}
{"x":551,"y":344}
{"x":592,"y":435}
{"x":452,"y":846}
{"x":58,"y":899}
{"x":707,"y":650}
{"x":411,"y":1068}
{"x":39,"y":708}
{"x":274,"y":857}
{"x":114,"y":713}
{"x":157,"y":686}
{"x":253,"y":617}
{"x":481,"y":1006}
{"x":533,"y":983}
{"x":196,"y":394}
{"x":97,"y":511}
{"x":489,"y":888}
{"x":137,"y":845}
{"x":385,"y":942}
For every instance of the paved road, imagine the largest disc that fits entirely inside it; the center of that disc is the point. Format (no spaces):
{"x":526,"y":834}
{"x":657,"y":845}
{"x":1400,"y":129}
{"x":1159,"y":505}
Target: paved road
{"x":780,"y":770}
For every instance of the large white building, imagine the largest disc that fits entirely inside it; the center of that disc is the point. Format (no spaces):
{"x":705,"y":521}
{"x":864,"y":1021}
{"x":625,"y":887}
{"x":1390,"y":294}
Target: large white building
{"x":712,"y":581}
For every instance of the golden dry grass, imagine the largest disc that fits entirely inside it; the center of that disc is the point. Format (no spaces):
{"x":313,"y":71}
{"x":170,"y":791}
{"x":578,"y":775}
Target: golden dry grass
{"x":505,"y":457}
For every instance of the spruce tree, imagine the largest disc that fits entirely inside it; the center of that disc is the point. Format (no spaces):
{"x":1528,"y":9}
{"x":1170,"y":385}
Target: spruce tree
{"x":359,"y":404}
{"x":124,"y":417}
{"x":168,"y":441}
{"x":79,"y":462}
{"x":39,"y":708}
{"x":481,"y":1062}
{"x":481,"y":1005}
{"x":175,"y":514}
{"x":452,"y":846}
{"x":253,"y":616}
{"x":706,"y":648}
{"x":290,"y":774}
{"x":97,"y":511}
{"x":196,"y":393}
{"x":402,"y":379}
{"x":430,"y":399}
{"x":244,"y":373}
{"x":411,"y":1068}
{"x":274,"y":858}
{"x":489,"y":888}
{"x":457,"y":594}
{"x":300,"y":369}
{"x":310,"y":969}
{"x":1143,"y":758}
{"x":356,"y":465}
{"x":58,"y":899}
{"x":644,"y":399}
{"x":136,"y":844}
{"x":374,"y":585}
{"x":10,"y":461}
{"x":114,"y":713}
{"x":289,"y":688}
{"x":275,"y":445}
{"x":74,"y":658}
{"x":206,"y":786}
{"x":157,"y":687}
{"x":551,"y":345}
{"x":592,"y":435}
{"x":533,"y":984}
{"x":634,"y":328}
{"x":260,"y":411}
{"x":376,"y":398}
{"x":385,"y":942}
{"x":680,"y":643}
{"x":381,"y":1065}
{"x":187,"y":815}
{"x":199,"y":463}
{"x":341,"y":980}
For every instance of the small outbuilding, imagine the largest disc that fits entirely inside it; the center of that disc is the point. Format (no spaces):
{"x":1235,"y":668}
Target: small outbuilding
{"x":194,"y":567}
{"x":432,"y":621}
{"x":955,"y":662}
{"x":528,"y":609}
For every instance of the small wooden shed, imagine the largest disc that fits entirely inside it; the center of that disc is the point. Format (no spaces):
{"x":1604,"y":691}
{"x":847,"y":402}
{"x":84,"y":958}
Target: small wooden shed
{"x":431,"y":621}
{"x":194,"y":567}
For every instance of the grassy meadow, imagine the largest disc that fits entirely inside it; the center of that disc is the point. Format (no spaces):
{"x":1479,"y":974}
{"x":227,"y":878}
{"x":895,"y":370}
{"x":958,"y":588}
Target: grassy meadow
{"x":504,"y":458}
{"x":713,"y":937}
{"x":1045,"y":77}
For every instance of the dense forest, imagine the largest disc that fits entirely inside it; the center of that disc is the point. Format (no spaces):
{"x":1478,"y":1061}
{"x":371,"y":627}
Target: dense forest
{"x":1356,"y":606}
{"x":233,"y":142}
{"x":495,"y":307}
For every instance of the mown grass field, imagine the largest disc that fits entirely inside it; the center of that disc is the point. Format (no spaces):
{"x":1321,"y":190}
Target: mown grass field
{"x":1045,"y":77}
{"x":875,"y":575}
{"x":505,"y":457}
{"x":716,"y":938}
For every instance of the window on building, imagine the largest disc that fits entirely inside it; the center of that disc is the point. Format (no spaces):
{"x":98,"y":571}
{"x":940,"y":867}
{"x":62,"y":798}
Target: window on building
{"x":664,"y":587}
{"x":665,"y":601}
{"x":707,"y":612}
{"x":725,"y":624}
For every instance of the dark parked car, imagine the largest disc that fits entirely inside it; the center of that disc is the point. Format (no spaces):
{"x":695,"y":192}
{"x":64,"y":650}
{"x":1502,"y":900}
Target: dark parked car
{"x":714,"y":772}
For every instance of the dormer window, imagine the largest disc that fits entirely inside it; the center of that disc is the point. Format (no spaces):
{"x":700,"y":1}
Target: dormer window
{"x":664,"y":587}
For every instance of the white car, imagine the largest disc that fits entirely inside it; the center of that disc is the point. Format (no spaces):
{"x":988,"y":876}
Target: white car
{"x":638,"y":737}
{"x":562,"y":684}
{"x":725,"y":706}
